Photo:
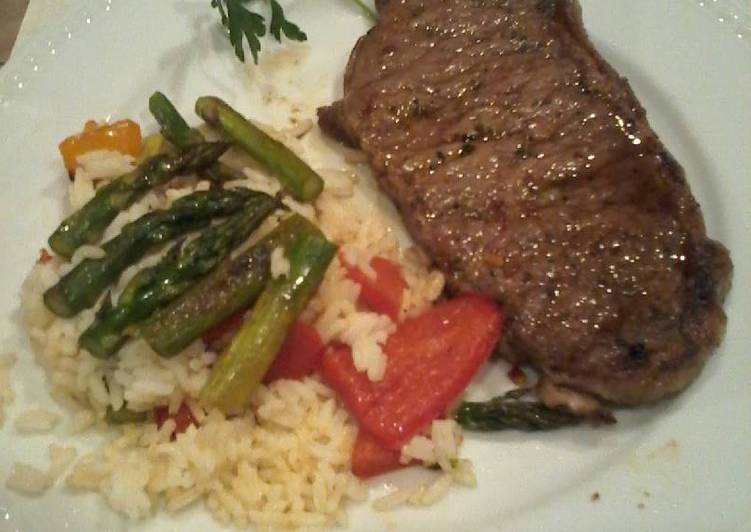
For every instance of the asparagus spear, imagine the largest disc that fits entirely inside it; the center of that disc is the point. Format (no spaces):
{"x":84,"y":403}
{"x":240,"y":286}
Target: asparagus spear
{"x":178,"y":132}
{"x":509,"y":411}
{"x":221,"y":173}
{"x":153,"y":145}
{"x":156,"y":286}
{"x":87,"y":225}
{"x":297,"y":178}
{"x":124,"y":416}
{"x":232,"y":286}
{"x":240,"y":368}
{"x":174,"y":127}
{"x":82,"y":286}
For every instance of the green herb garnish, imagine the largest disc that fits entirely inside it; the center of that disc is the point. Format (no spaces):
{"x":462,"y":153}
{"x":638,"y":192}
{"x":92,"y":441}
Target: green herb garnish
{"x":366,"y":10}
{"x":245,"y":25}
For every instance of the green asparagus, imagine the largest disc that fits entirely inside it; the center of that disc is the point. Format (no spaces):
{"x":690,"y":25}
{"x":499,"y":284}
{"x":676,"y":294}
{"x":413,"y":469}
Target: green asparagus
{"x":219,"y":173}
{"x":178,"y":132}
{"x":153,"y":145}
{"x":296,"y":177}
{"x":154,"y":287}
{"x":124,"y":416}
{"x":509,"y":411}
{"x":240,"y":368}
{"x":174,"y":127}
{"x":87,"y":225}
{"x":231,"y":287}
{"x":82,"y":286}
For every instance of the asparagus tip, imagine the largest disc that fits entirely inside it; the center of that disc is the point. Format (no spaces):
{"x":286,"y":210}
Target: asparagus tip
{"x":207,"y":107}
{"x":55,"y":301}
{"x":100,"y":345}
{"x":60,"y":246}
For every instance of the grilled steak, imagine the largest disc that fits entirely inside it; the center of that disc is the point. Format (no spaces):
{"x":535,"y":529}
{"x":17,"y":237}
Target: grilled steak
{"x":526,"y":168}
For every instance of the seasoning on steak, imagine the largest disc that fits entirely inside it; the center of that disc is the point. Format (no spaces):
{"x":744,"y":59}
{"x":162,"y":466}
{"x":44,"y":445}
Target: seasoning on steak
{"x":526,"y":168}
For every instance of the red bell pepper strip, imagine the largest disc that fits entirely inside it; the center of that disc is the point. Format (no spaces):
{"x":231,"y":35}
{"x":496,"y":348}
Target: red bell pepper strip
{"x":431,"y":359}
{"x":384,"y":293}
{"x":183,"y":418}
{"x":370,"y":458}
{"x":299,"y":355}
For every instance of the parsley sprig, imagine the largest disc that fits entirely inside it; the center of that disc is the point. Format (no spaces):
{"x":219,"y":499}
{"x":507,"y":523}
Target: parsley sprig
{"x":245,"y":25}
{"x":367,"y":10}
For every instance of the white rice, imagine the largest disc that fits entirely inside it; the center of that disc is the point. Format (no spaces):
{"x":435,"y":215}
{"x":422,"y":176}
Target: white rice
{"x":279,"y":265}
{"x":36,"y":421}
{"x":82,"y":420}
{"x":92,"y":167}
{"x":102,"y":164}
{"x":438,"y":446}
{"x":61,"y":456}
{"x":340,"y":319}
{"x":257,"y":181}
{"x":286,"y":461}
{"x":86,"y":252}
{"x":29,"y":480}
{"x":289,"y":459}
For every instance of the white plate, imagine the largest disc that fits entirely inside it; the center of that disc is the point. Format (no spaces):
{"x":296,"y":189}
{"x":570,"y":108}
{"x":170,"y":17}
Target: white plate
{"x":682,"y":465}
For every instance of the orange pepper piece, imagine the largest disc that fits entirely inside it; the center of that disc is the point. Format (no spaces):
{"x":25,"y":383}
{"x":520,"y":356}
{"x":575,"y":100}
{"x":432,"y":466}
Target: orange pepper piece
{"x":123,"y":136}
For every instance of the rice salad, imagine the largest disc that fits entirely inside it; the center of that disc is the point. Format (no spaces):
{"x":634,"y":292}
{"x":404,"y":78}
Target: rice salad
{"x":284,"y":461}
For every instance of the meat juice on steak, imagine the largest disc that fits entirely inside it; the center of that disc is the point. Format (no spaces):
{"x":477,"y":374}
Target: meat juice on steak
{"x":526,"y":168}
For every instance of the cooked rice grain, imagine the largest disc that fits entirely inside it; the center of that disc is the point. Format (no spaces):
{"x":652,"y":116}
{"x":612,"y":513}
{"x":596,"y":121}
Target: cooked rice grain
{"x":279,"y":263}
{"x":286,"y":465}
{"x":438,"y":446}
{"x":61,"y":456}
{"x":28,"y":480}
{"x":340,"y":319}
{"x":36,"y":421}
{"x":96,"y":166}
